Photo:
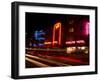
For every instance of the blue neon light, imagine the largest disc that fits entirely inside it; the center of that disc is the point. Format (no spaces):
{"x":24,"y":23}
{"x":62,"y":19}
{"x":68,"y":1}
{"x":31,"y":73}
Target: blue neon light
{"x":38,"y":35}
{"x":40,"y":44}
{"x":34,"y":45}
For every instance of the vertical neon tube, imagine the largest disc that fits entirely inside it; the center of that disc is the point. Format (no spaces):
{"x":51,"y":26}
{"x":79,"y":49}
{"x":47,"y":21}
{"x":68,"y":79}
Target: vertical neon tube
{"x":59,"y":33}
{"x":53,"y":36}
{"x":57,"y":26}
{"x":87,"y":28}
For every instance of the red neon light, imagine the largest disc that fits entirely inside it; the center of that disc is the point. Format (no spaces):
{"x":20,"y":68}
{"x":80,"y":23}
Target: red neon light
{"x":73,"y":42}
{"x":55,"y":42}
{"x":59,"y":33}
{"x":70,"y":42}
{"x":53,"y":36}
{"x":87,"y":28}
{"x":80,"y":41}
{"x":47,"y":42}
{"x":57,"y":26}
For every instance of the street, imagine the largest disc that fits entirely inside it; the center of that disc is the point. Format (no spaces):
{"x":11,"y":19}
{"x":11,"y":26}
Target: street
{"x":42,"y":58}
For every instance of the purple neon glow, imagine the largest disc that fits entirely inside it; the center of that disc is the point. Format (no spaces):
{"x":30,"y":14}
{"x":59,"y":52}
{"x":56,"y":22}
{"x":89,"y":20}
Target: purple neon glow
{"x":86,"y":31}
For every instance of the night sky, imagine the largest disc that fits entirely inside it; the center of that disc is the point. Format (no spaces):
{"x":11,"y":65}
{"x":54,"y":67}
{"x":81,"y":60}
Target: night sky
{"x":37,"y":21}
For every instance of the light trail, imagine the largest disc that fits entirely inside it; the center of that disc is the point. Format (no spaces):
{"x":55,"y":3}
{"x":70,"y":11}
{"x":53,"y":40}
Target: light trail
{"x":36,"y":62}
{"x":41,"y":49}
{"x":47,"y":60}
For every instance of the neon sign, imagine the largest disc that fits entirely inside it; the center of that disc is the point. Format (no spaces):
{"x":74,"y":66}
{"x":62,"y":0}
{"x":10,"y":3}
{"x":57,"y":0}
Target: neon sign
{"x":87,"y":28}
{"x":70,"y":42}
{"x":57,"y":26}
{"x":56,"y":42}
{"x":38,"y":35}
{"x":78,"y":42}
